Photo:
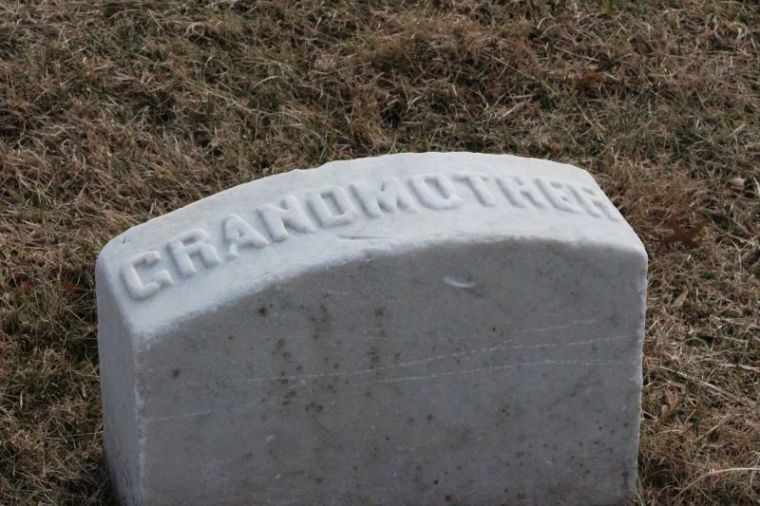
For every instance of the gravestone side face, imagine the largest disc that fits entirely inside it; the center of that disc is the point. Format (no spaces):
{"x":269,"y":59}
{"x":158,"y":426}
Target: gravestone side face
{"x":410,"y":329}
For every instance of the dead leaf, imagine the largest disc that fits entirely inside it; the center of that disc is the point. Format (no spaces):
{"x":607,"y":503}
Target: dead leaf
{"x":672,"y":400}
{"x":70,"y":288}
{"x":593,"y":76}
{"x":680,"y":299}
{"x":687,"y":236}
{"x":590,"y":79}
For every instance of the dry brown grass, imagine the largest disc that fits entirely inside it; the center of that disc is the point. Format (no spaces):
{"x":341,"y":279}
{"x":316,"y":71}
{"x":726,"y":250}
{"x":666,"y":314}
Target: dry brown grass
{"x":116,"y":112}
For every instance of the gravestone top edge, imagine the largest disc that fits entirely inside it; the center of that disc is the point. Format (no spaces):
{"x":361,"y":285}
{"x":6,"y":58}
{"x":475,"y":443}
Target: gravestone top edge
{"x":258,"y":233}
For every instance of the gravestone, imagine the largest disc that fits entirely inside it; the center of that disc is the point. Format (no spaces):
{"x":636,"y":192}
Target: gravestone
{"x":421,"y":329}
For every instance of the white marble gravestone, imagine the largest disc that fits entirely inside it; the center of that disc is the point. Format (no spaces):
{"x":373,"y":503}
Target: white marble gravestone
{"x":413,"y":329}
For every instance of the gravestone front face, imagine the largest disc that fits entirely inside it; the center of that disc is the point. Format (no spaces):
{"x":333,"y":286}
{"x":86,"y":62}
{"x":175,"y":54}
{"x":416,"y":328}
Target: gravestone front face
{"x":440,"y":328}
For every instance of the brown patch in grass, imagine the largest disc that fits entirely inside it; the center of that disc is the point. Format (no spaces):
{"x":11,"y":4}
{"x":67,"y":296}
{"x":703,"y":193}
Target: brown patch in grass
{"x":111,"y":114}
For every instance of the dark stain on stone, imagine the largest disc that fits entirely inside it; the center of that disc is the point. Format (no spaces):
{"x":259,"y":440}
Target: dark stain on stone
{"x":263,"y":310}
{"x":279,"y":349}
{"x":314,"y":407}
{"x":430,"y":417}
{"x":374,"y":358}
{"x":289,"y":395}
{"x":321,"y":324}
{"x":175,"y":373}
{"x":379,"y":320}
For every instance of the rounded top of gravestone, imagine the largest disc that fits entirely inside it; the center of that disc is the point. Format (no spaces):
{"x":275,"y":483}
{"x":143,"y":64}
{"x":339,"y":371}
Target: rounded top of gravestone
{"x":252,"y":236}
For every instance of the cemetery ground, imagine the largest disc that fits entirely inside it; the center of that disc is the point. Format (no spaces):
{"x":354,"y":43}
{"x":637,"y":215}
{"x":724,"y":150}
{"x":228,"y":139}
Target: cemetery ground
{"x":113,"y":113}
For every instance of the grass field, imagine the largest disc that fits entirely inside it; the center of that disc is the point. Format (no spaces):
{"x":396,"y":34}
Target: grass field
{"x":115,"y":112}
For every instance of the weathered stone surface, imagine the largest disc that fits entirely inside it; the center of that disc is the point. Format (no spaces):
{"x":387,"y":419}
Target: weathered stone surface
{"x":410,"y":329}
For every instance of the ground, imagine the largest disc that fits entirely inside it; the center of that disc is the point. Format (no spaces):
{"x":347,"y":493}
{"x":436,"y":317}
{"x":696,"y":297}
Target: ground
{"x":115,"y":112}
